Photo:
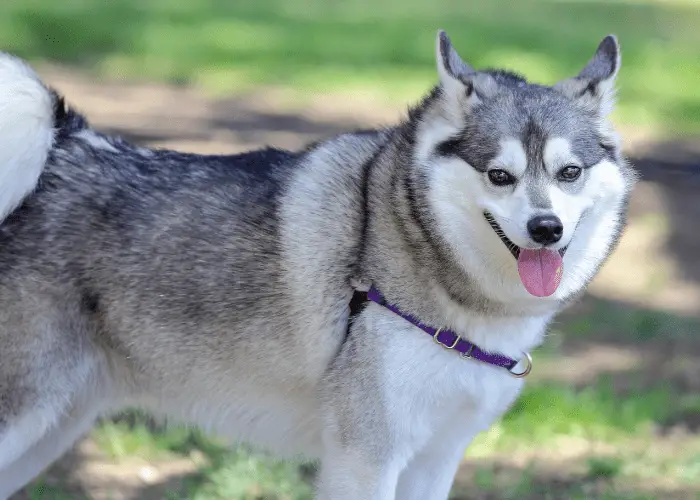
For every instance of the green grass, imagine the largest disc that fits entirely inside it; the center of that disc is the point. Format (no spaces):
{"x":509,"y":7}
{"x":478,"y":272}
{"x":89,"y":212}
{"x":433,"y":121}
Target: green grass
{"x":385,"y":47}
{"x":524,"y":484}
{"x":604,"y":320}
{"x":594,"y":412}
{"x":41,"y":491}
{"x":604,"y":467}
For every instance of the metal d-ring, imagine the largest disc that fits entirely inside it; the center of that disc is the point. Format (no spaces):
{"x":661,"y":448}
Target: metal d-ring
{"x":527,"y":370}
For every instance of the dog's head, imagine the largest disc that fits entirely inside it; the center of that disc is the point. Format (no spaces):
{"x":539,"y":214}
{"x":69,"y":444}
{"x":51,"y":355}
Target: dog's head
{"x":527,"y":182}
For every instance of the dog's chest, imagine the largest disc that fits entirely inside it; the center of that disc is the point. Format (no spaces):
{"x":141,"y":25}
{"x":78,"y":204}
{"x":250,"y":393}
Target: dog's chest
{"x":442,"y":389}
{"x":429,"y":389}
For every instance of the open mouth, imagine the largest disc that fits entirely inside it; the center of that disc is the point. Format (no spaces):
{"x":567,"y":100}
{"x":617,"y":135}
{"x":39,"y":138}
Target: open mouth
{"x":540,"y":269}
{"x":512,"y":247}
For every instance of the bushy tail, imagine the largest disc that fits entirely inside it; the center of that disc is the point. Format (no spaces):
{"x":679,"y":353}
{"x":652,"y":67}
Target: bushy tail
{"x":26,"y":131}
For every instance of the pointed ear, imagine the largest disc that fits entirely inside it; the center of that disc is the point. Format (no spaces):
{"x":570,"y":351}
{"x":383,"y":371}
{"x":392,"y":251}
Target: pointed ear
{"x":462,"y":86}
{"x":454,"y":73}
{"x":594,"y":86}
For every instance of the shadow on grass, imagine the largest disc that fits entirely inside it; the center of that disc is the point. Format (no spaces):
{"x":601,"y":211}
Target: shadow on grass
{"x":674,"y":169}
{"x":59,"y":482}
{"x":639,"y":362}
{"x":242,"y":123}
{"x":496,"y":480}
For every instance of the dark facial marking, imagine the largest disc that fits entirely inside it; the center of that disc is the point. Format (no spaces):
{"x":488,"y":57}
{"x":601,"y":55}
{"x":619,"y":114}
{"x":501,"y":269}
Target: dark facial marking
{"x":450,"y":147}
{"x":534,"y":138}
{"x":466,"y":149}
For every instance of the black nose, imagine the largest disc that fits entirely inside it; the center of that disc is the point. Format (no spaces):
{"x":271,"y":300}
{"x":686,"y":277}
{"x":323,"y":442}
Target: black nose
{"x":545,"y":229}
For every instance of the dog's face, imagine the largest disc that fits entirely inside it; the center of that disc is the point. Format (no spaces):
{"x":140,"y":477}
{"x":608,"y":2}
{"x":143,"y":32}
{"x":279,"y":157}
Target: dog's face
{"x":527,"y":182}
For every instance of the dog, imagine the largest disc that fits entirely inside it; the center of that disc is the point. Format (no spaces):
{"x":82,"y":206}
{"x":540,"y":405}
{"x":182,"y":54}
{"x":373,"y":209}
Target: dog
{"x":368,"y":302}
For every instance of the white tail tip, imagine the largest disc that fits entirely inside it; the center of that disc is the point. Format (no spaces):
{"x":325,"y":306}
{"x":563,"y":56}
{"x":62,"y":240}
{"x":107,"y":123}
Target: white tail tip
{"x":26,"y":131}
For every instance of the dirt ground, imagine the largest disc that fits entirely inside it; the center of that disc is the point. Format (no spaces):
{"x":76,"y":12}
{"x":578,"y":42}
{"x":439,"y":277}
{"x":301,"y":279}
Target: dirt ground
{"x":657,"y":265}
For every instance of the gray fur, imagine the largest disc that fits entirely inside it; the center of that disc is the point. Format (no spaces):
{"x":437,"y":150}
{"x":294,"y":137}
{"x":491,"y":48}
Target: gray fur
{"x":214,"y":289}
{"x":454,"y":64}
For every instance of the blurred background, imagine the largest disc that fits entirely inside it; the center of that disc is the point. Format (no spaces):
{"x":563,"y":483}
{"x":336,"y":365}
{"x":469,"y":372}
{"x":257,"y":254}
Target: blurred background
{"x":612,"y":409}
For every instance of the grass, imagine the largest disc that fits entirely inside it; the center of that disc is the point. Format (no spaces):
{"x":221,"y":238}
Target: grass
{"x":385,"y":47}
{"x":42,"y":491}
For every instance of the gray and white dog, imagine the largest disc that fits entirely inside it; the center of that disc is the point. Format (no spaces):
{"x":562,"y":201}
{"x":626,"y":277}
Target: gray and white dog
{"x":217,"y":290}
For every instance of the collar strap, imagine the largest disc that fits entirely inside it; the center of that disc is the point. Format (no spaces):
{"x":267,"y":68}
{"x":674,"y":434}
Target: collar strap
{"x":450,"y":340}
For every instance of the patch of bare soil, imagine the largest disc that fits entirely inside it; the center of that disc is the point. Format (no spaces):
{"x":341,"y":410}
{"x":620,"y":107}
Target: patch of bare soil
{"x":87,"y":473}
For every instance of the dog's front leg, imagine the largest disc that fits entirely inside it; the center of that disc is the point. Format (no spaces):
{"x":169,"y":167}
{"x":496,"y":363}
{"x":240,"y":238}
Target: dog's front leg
{"x":430,"y":473}
{"x":353,"y":474}
{"x":361,"y":457}
{"x":363,"y":452}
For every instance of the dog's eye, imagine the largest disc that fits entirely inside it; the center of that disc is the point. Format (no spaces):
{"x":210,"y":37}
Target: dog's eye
{"x":570,"y":173}
{"x":501,"y":177}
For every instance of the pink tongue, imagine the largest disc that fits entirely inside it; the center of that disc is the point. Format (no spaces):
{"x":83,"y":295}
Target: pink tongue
{"x":540,"y":271}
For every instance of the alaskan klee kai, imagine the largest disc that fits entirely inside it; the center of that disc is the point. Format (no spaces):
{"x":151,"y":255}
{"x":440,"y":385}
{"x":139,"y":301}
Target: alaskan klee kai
{"x":368,"y":302}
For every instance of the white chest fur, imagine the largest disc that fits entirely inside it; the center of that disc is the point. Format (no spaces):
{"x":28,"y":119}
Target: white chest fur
{"x":438,"y":401}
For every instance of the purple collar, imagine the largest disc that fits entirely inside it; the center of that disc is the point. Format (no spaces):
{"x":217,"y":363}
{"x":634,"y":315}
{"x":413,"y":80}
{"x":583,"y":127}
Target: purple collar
{"x":450,"y":340}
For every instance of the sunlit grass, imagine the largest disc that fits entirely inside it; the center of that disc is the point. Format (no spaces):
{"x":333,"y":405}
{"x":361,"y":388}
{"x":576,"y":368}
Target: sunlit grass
{"x":381,"y":47}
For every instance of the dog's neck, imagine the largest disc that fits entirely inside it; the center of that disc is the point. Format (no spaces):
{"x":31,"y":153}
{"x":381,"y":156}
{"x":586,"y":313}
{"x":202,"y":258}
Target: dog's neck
{"x":414,"y":269}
